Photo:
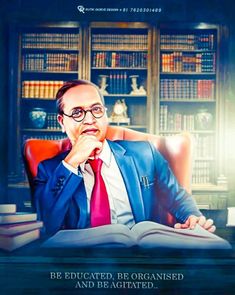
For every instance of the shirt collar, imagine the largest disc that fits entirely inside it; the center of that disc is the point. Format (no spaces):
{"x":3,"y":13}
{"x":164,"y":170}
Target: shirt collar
{"x":105,"y":156}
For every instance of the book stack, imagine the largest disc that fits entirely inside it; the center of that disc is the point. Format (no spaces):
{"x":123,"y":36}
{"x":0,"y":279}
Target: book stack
{"x":17,"y":228}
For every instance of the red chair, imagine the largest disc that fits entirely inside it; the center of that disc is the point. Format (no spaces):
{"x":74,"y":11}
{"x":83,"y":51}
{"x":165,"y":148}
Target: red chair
{"x":176,"y":149}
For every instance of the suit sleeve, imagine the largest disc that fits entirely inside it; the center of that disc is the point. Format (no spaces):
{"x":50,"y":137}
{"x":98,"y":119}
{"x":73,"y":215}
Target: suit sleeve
{"x":53,"y":191}
{"x":172,"y":196}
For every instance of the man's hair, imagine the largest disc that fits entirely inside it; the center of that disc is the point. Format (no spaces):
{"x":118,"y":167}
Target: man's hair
{"x":70,"y":84}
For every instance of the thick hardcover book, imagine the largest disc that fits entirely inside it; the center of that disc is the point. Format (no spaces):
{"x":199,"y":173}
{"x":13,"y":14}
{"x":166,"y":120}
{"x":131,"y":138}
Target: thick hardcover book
{"x":7,"y":208}
{"x":145,"y":234}
{"x":13,"y":242}
{"x":17,"y":217}
{"x":12,"y":229}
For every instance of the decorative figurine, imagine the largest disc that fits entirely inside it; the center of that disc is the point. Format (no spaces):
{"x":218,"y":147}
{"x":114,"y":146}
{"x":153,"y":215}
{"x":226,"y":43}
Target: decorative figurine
{"x":134,"y":86}
{"x":103,"y":84}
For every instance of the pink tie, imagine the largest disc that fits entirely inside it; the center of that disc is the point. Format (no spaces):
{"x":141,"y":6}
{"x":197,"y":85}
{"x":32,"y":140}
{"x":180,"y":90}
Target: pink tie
{"x":99,"y":205}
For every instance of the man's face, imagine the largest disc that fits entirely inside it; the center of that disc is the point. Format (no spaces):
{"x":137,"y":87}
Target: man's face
{"x":85,"y":97}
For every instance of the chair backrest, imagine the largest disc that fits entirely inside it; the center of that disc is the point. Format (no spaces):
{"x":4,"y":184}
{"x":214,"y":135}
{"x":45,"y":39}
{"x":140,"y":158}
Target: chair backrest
{"x":176,"y":149}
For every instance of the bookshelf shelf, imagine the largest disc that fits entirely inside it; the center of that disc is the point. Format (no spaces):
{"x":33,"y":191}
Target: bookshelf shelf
{"x":121,"y":50}
{"x":119,"y":68}
{"x":60,"y":50}
{"x":50,"y":72}
{"x":188,"y":73}
{"x":37,"y":99}
{"x":125,"y":95}
{"x":183,"y":130}
{"x":187,"y":100}
{"x":190,"y":51}
{"x":46,"y":130}
{"x":205,"y":159}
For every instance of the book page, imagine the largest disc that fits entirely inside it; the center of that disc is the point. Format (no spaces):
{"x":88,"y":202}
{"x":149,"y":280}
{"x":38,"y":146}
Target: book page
{"x":115,"y":235}
{"x":150,"y":234}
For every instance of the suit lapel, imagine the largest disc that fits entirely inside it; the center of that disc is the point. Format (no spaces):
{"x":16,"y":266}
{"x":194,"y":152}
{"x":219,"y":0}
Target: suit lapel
{"x":81,"y":200}
{"x":128,"y":170}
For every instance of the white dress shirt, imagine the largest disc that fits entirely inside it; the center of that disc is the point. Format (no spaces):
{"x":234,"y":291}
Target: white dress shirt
{"x":118,"y":199}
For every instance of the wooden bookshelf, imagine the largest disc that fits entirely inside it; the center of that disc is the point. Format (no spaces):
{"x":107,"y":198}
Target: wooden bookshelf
{"x":45,"y":56}
{"x":189,"y":92}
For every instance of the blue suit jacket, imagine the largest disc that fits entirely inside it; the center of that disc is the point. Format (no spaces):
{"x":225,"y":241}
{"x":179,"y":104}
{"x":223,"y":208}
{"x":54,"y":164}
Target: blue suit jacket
{"x":60,"y":195}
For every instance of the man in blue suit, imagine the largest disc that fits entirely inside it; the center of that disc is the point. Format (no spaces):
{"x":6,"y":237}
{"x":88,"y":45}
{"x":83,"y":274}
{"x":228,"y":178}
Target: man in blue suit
{"x":136,"y":177}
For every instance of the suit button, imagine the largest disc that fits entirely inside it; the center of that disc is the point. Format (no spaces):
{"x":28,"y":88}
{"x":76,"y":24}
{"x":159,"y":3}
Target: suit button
{"x":61,"y":179}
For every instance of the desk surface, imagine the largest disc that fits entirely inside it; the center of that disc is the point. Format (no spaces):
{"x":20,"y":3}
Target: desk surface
{"x":31,"y":270}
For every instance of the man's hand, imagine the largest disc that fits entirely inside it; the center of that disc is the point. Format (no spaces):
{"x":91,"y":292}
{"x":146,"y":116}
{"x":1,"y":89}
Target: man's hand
{"x":86,"y":146}
{"x":191,"y":222}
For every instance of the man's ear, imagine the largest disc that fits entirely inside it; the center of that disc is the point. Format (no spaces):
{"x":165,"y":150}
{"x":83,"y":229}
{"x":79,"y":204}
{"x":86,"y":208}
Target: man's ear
{"x":60,"y":120}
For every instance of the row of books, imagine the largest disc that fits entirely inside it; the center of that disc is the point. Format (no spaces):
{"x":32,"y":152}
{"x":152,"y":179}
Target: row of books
{"x":175,"y":121}
{"x":187,"y":89}
{"x":17,"y":228}
{"x":204,"y":146}
{"x":50,"y":40}
{"x":40,"y":89}
{"x":118,"y":82}
{"x":51,"y":122}
{"x":202,"y":172}
{"x":119,"y":41}
{"x":188,"y":41}
{"x":178,"y":121}
{"x":50,"y":62}
{"x":117,"y":59}
{"x":178,"y":62}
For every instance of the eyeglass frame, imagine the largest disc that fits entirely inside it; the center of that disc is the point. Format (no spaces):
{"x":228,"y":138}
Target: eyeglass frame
{"x":85,"y":112}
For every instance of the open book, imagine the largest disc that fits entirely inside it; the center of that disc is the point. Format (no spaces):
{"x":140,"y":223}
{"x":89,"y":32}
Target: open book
{"x":146,"y":234}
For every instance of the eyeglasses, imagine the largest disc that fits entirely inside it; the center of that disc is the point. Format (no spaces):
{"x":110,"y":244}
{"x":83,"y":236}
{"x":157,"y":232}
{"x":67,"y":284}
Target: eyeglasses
{"x":79,"y":114}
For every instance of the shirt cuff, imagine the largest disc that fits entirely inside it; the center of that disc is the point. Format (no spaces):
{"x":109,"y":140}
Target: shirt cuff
{"x":70,"y":168}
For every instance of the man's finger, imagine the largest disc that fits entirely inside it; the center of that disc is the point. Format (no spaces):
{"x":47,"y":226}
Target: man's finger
{"x":202,"y":220}
{"x":192,"y":221}
{"x":212,"y":229}
{"x":208,"y":224}
{"x":178,"y":225}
